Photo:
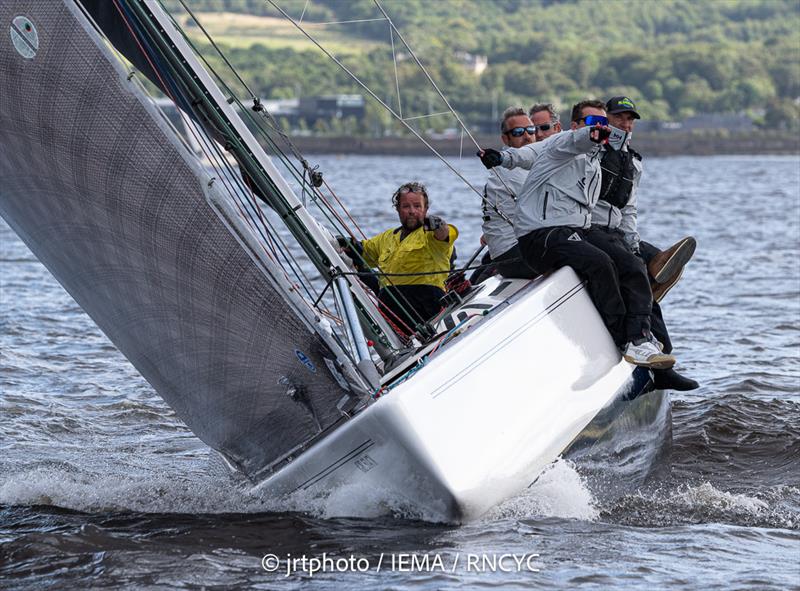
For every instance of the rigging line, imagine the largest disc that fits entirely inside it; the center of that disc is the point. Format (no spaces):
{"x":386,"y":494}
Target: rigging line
{"x":391,"y":111}
{"x":428,"y":115}
{"x":419,"y":63}
{"x":375,"y":96}
{"x":346,"y":211}
{"x":396,"y":77}
{"x":362,"y":20}
{"x":302,"y":14}
{"x":380,"y":306}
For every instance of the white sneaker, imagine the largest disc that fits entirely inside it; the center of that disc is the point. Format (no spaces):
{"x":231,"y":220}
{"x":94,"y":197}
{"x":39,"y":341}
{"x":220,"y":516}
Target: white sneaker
{"x":647,"y":354}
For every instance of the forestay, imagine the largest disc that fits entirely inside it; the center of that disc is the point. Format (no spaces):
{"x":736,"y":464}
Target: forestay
{"x":101,"y":190}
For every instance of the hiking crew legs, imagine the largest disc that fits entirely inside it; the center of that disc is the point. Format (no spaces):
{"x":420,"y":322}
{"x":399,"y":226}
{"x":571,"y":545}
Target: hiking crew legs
{"x":657,"y":325}
{"x":512,"y":265}
{"x":548,"y":249}
{"x":633,"y":281}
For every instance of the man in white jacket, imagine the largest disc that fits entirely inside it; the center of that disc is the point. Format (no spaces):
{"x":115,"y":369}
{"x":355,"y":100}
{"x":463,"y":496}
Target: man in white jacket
{"x":500,"y":200}
{"x":553,"y":214}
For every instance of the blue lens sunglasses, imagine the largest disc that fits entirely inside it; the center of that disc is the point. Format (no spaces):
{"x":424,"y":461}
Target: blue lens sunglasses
{"x":594,"y":120}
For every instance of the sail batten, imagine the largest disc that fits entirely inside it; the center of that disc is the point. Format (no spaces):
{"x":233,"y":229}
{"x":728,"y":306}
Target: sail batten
{"x":122,"y":214}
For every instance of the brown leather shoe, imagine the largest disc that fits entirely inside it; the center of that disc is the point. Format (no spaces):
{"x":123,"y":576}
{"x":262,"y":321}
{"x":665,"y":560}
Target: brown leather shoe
{"x":661,"y":289}
{"x":669,"y":263}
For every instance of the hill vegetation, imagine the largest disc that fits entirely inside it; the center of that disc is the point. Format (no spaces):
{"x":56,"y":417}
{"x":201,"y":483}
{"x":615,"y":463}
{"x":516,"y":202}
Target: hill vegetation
{"x":675,"y":58}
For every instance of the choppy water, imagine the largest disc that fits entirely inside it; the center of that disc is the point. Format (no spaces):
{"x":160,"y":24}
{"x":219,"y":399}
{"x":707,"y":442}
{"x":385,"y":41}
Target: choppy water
{"x":101,"y":486}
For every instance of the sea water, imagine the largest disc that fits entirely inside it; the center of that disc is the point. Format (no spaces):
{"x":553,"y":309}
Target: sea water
{"x":102,"y":486}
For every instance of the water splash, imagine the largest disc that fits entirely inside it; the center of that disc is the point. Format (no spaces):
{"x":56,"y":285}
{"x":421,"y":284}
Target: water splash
{"x":560,"y":491}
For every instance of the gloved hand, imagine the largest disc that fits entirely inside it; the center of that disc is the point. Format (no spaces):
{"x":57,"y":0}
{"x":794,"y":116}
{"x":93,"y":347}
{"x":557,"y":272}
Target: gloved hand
{"x":351,"y":247}
{"x":600,"y":133}
{"x":432,"y":222}
{"x":490,"y":157}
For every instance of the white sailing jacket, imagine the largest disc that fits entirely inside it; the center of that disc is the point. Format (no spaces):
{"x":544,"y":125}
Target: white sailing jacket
{"x":564,"y":182}
{"x":501,"y":191}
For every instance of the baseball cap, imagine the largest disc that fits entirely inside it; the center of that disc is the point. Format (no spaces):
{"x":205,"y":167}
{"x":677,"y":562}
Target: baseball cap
{"x":621,"y":104}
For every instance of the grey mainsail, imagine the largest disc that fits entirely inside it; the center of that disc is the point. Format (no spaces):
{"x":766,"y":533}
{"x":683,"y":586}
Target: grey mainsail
{"x":103,"y":193}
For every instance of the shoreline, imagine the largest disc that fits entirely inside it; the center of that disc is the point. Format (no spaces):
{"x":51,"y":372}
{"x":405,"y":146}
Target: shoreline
{"x":709,"y":143}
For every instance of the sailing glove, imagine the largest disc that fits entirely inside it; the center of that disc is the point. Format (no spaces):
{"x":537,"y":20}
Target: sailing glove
{"x":490,"y":158}
{"x":432,"y":222}
{"x":599,"y":134}
{"x":351,"y":246}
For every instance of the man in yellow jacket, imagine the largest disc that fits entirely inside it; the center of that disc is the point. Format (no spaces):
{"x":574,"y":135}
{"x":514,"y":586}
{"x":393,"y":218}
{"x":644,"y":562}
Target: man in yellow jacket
{"x":414,"y":259}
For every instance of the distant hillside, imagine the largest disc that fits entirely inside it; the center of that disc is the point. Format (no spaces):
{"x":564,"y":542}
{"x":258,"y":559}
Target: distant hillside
{"x":675,"y":58}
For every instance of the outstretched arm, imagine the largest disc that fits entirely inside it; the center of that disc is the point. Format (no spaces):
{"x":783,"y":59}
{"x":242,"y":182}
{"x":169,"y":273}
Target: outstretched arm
{"x":439,"y":227}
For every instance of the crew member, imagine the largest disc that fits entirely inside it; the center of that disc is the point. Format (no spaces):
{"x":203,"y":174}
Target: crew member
{"x":413,"y":259}
{"x":614,"y":219}
{"x":500,"y":201}
{"x":545,"y":118}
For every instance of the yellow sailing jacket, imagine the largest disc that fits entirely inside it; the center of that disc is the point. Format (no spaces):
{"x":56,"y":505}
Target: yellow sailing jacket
{"x":420,"y":252}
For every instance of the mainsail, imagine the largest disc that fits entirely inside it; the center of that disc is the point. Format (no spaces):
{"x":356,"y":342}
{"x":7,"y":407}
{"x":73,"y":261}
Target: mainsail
{"x":102,"y":191}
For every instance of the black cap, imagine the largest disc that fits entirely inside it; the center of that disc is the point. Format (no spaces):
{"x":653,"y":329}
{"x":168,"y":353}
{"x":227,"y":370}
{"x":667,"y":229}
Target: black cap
{"x":621,"y":104}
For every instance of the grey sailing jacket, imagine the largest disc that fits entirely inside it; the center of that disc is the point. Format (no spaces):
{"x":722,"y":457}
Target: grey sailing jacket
{"x":609,"y":216}
{"x":563,"y":184}
{"x":501,"y":191}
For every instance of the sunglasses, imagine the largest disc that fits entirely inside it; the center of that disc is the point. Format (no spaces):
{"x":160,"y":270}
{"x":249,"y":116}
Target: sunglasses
{"x":594,"y":120}
{"x":545,"y":127}
{"x":518,"y":131}
{"x":412,"y":188}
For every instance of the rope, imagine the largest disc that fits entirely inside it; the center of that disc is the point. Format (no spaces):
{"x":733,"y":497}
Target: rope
{"x":424,"y":273}
{"x":427,"y":75}
{"x":399,"y":118}
{"x":374,"y":96}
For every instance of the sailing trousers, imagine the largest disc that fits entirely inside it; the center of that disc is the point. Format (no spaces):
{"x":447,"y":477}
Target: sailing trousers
{"x":634,"y":283}
{"x":659,"y":329}
{"x":512,"y":265}
{"x":548,"y":249}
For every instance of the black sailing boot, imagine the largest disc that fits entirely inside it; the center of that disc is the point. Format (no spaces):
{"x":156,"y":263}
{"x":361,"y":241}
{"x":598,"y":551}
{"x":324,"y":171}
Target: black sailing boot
{"x":669,"y":379}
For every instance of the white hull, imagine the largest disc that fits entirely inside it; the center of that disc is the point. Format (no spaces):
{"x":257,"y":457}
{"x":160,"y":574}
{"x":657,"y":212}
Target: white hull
{"x":481,"y":419}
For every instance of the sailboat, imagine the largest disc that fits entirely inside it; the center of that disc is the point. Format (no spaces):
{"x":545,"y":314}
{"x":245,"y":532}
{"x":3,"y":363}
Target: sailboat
{"x":302,"y":387}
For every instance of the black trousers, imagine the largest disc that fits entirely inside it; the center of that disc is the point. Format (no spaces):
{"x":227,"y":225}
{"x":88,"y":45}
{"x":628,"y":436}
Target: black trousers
{"x":647,"y":251}
{"x":510,"y":264}
{"x":411,"y":304}
{"x":634,"y":284}
{"x":548,"y":249}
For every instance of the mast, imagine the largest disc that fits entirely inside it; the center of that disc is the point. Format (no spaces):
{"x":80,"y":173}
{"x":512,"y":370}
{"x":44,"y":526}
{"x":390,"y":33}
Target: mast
{"x":212,"y":106}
